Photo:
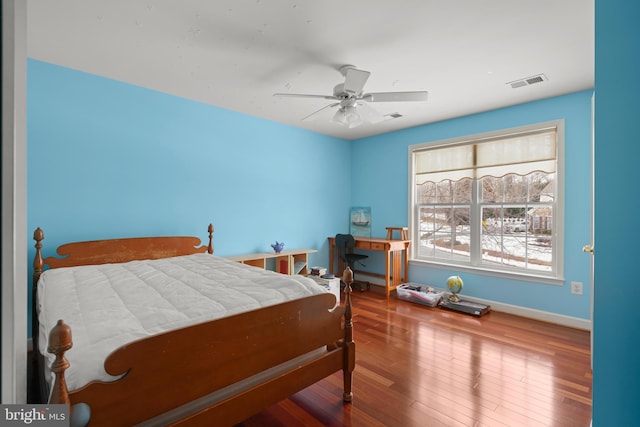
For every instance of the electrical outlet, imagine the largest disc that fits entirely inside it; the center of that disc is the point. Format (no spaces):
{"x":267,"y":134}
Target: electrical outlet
{"x":576,"y":288}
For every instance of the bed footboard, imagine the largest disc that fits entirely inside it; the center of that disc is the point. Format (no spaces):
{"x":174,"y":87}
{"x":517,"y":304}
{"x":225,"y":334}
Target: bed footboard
{"x":171,"y":376}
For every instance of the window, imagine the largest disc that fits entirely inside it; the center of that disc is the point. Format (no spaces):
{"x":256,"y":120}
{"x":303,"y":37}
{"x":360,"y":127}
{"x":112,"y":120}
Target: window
{"x":491,"y":201}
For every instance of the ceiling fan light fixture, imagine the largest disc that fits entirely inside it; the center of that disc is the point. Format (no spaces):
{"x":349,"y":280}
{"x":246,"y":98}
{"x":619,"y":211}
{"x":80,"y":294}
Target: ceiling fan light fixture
{"x":348,"y":116}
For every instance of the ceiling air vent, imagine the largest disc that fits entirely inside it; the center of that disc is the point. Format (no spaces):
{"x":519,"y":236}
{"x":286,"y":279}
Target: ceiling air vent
{"x":528,"y":81}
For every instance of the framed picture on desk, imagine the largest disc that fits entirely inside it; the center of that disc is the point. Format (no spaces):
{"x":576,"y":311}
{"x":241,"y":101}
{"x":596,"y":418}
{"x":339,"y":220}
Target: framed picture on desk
{"x":360,"y":221}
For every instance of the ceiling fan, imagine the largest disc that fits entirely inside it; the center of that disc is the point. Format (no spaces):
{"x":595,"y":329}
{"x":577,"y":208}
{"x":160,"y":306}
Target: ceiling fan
{"x":352,"y":103}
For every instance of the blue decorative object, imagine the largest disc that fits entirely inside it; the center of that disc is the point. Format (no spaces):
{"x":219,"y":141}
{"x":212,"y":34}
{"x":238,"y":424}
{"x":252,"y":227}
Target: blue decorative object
{"x":277,"y":246}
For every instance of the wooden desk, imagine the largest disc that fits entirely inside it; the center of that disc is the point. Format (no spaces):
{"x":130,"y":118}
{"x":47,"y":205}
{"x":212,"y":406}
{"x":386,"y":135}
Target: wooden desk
{"x":393,"y":258}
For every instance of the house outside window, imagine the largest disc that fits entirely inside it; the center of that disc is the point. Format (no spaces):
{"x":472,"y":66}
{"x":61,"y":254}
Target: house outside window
{"x":490,"y":202}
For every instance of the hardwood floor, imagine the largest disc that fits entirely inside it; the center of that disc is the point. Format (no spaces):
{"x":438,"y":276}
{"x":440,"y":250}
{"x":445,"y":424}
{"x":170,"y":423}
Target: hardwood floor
{"x":421,"y":366}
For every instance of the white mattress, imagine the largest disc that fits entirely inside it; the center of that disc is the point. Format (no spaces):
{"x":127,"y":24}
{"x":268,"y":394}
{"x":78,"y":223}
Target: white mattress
{"x":109,"y":305}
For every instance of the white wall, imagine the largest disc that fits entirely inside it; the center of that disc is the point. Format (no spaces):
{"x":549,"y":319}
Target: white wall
{"x":14,"y":240}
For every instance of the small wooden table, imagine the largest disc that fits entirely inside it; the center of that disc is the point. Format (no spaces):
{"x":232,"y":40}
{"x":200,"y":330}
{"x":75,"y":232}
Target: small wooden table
{"x":285,"y":261}
{"x":393,"y":258}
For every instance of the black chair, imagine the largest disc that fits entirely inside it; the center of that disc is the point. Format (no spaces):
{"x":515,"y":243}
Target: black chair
{"x":345,"y":244}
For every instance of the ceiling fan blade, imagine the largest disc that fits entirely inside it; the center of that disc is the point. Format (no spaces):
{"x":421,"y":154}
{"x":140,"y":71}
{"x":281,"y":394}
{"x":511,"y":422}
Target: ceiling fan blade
{"x":396,"y":96}
{"x":303,"y":95}
{"x":319,"y":112}
{"x":355,"y":80}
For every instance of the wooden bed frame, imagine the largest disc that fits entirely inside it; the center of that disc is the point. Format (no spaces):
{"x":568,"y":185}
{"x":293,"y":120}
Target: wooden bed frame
{"x":169,"y":378}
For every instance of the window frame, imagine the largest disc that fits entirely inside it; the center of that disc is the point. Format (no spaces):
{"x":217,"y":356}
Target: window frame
{"x":556,"y":275}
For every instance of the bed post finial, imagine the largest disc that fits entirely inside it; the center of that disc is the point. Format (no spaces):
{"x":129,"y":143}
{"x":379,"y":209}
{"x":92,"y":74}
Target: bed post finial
{"x":210,"y":247}
{"x":60,"y":342}
{"x":38,"y":236}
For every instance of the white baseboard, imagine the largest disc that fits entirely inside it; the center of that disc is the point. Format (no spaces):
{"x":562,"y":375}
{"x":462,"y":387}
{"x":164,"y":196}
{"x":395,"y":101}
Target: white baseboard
{"x":545,"y":316}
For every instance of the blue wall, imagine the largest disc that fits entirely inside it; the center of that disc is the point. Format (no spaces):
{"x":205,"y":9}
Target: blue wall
{"x":616,"y":315}
{"x":380,"y":180}
{"x":108,"y":159}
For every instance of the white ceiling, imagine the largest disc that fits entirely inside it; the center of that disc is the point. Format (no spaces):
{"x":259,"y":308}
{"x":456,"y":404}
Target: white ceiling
{"x":236,"y":53}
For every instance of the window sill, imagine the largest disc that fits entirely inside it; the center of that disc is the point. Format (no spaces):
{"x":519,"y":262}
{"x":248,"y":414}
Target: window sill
{"x":547,"y":280}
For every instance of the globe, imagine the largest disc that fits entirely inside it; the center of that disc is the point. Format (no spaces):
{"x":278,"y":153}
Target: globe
{"x":454,"y":284}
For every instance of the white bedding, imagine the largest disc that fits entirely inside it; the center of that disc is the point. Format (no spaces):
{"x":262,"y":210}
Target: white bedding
{"x":112,"y":304}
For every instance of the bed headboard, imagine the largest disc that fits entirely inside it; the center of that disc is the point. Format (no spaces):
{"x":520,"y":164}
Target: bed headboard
{"x":117,"y":250}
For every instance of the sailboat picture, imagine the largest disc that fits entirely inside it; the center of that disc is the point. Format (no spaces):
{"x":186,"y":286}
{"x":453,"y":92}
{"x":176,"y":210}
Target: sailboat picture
{"x":360,"y":224}
{"x":360,"y":219}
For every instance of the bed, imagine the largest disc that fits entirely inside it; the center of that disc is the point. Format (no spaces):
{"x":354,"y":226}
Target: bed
{"x":167,"y":333}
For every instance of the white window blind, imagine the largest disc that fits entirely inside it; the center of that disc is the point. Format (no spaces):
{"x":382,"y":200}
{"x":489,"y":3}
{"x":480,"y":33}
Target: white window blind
{"x":520,"y":154}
